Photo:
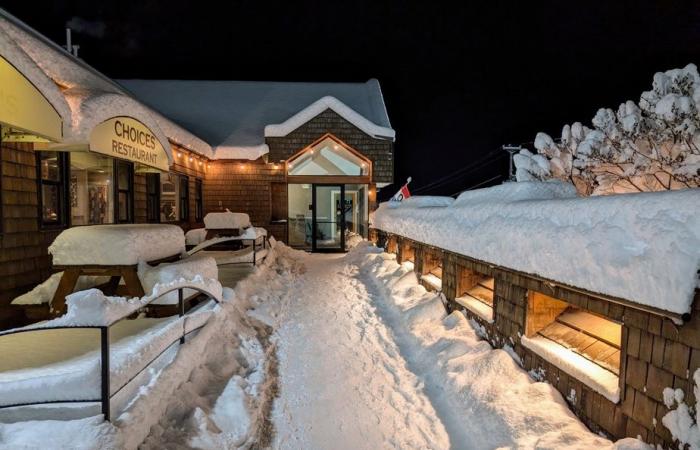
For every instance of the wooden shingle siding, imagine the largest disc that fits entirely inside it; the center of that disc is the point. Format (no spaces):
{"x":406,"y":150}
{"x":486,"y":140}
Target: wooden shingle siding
{"x":655,"y":352}
{"x":379,"y":151}
{"x":244,"y":186}
{"x":191,"y":169}
{"x":24,"y":259}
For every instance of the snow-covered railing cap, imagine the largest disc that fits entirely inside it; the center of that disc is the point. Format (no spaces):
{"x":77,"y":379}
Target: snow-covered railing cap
{"x":317,"y":107}
{"x":92,"y":308}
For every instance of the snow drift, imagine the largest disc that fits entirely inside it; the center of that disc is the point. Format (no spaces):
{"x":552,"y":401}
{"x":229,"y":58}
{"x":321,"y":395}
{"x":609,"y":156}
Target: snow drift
{"x":641,"y":247}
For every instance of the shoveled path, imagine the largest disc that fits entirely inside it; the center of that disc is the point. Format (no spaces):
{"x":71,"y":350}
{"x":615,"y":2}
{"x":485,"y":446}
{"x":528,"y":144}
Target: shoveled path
{"x":343,"y":382}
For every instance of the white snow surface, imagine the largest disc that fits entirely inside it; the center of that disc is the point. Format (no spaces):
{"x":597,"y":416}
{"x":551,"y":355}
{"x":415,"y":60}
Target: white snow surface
{"x":366,"y":359}
{"x":423,"y":201}
{"x":602,"y":381}
{"x":682,"y":421}
{"x":643,"y":247}
{"x":123,"y":244}
{"x":195,"y":236}
{"x":44,"y":292}
{"x":188,"y":269}
{"x":513,"y":192}
{"x":226,"y":220}
{"x":316,"y":108}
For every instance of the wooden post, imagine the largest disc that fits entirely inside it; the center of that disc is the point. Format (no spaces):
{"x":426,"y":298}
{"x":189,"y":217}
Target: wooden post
{"x":181,"y":307}
{"x":132,"y":282}
{"x":104,"y":371}
{"x":65,"y":288}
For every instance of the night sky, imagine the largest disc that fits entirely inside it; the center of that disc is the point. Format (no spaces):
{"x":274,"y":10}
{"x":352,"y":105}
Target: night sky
{"x":459,"y":80}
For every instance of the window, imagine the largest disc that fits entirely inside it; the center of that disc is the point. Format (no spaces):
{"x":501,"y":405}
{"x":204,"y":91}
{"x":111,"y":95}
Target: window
{"x":198,"y":200}
{"x":432,"y":269}
{"x":52,"y":188}
{"x":174,"y":197}
{"x":328,"y":157}
{"x":91,"y":184}
{"x":153,"y":197}
{"x":407,"y":251}
{"x":585,"y":334}
{"x":475,"y":292}
{"x":124,"y":191}
{"x":184,"y":198}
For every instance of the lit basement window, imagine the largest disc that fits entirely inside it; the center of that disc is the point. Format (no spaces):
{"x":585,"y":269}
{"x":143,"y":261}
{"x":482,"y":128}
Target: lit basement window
{"x":583,"y":344}
{"x":327,"y":158}
{"x":475,"y":293}
{"x":432,"y":268}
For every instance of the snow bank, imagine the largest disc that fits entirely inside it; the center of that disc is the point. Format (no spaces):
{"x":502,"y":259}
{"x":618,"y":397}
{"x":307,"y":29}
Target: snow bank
{"x":422,"y":201}
{"x":226,"y":220}
{"x":682,"y":421}
{"x":514,"y":192}
{"x":165,"y":273}
{"x":82,"y":434}
{"x":641,"y":247}
{"x":126,"y":244}
{"x":195,"y":236}
{"x":485,"y":398}
{"x":44,"y":292}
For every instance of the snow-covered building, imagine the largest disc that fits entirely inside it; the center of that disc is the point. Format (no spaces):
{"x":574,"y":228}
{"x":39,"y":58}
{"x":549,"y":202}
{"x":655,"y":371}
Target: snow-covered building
{"x":303,"y":160}
{"x":596,"y":295}
{"x":291,"y":155}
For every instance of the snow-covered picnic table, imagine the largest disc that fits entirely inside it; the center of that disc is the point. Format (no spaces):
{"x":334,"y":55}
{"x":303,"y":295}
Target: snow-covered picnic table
{"x":114,"y":251}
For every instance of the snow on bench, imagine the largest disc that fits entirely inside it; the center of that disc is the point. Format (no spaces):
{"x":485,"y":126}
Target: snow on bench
{"x":643,"y":247}
{"x":226,"y":220}
{"x":116,"y":245}
{"x":152,"y":276}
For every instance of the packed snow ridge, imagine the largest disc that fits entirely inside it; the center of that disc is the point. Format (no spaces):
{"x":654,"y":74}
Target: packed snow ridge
{"x":642,"y":247}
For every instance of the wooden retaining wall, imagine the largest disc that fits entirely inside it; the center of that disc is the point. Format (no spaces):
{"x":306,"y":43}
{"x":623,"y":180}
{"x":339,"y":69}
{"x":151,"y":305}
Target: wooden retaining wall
{"x":655,"y":352}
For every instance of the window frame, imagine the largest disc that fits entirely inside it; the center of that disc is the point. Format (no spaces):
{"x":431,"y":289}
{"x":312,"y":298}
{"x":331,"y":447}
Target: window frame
{"x":63,"y":185}
{"x":183,"y":198}
{"x":129,"y":190}
{"x":198,"y":200}
{"x":153,"y":197}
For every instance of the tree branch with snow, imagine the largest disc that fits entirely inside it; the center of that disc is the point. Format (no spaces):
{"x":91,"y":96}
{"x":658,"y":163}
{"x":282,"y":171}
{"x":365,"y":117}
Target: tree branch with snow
{"x":650,"y":146}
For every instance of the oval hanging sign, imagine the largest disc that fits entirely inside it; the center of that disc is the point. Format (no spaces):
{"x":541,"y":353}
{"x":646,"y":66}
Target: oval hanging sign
{"x":127,"y":138}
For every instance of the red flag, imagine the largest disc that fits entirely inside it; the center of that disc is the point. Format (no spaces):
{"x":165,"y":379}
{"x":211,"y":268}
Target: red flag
{"x":403,"y":192}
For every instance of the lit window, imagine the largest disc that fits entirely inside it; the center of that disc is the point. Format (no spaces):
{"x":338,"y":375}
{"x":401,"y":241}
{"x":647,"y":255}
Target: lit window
{"x":169,"y":197}
{"x":475,"y":292}
{"x":91,"y":184}
{"x":52,"y":191}
{"x":593,"y":337}
{"x":328,"y":157}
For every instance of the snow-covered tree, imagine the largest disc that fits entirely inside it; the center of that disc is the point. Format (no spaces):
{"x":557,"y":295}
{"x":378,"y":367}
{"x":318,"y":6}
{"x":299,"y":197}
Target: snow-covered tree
{"x":650,"y":146}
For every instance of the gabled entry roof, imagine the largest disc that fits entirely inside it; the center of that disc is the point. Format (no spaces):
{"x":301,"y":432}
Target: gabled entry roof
{"x":231,"y":116}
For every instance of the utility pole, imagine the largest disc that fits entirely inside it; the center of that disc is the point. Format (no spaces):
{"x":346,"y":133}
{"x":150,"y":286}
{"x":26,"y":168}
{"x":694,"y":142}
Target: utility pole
{"x":512,"y":150}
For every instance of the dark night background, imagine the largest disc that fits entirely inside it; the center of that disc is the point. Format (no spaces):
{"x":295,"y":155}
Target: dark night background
{"x":459,"y":80}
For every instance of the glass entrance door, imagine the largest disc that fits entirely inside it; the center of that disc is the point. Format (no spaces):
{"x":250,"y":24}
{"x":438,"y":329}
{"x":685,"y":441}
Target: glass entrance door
{"x":328,"y":217}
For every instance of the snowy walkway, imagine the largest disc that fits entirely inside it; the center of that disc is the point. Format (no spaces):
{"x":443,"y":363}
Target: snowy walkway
{"x":343,"y":382}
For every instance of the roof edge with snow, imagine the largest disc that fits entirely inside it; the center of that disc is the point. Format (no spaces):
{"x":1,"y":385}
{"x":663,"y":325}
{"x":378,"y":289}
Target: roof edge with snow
{"x":317,"y":107}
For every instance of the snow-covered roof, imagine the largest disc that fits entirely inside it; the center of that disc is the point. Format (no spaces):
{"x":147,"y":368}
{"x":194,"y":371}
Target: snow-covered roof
{"x":81,"y":95}
{"x":234,"y":117}
{"x":643,"y":248}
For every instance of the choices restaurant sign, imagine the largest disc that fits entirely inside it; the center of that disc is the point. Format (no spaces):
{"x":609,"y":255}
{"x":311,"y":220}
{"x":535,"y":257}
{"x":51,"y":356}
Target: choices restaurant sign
{"x":127,"y":138}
